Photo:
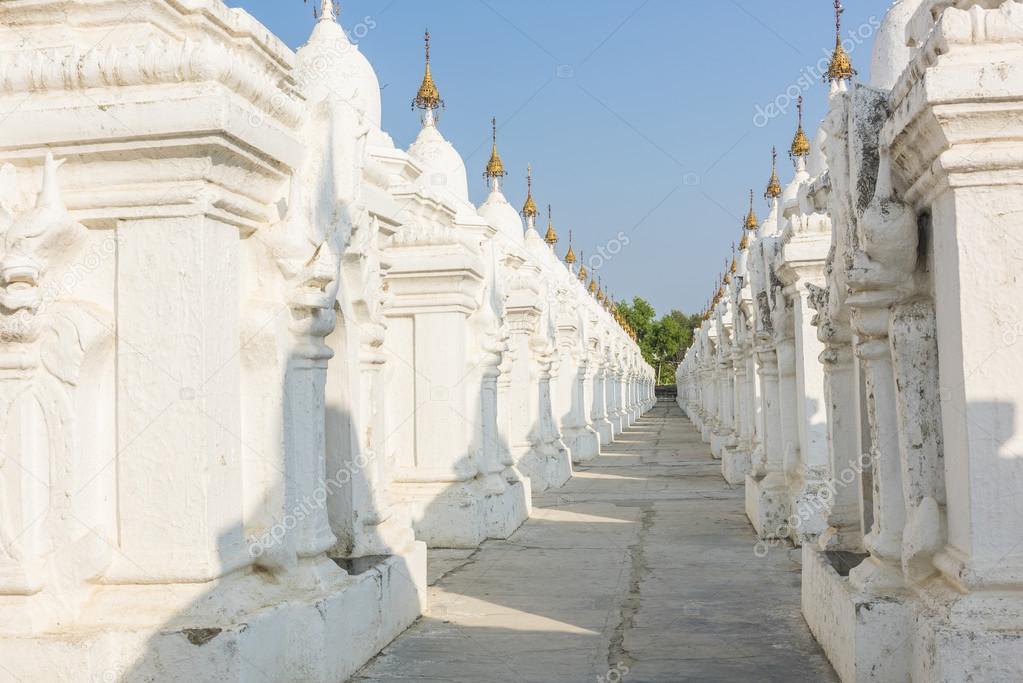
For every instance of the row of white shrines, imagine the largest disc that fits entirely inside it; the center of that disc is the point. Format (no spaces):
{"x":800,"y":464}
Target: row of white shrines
{"x":253,"y":357}
{"x":858,"y":369}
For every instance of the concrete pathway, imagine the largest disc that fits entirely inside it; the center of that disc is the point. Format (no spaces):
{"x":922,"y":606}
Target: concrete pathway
{"x":641,"y":569}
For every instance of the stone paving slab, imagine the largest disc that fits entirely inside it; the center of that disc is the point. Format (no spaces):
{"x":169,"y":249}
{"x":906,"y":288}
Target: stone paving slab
{"x":642,"y":567}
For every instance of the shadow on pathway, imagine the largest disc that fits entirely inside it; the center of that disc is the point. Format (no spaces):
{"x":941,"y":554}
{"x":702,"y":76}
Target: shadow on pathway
{"x":640,"y":569}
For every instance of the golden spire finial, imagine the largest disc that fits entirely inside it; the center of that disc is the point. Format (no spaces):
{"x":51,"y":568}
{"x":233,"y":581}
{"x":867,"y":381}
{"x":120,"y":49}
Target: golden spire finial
{"x":600,"y":290}
{"x":582,"y":268}
{"x":744,"y":242}
{"x":593,"y":287}
{"x":529,"y":209}
{"x":570,"y":256}
{"x":773,"y":186}
{"x":733,"y":266}
{"x":551,"y":237}
{"x":495,"y":167}
{"x":751,"y":218}
{"x":841,"y":66}
{"x":800,"y":143}
{"x":428,"y":97}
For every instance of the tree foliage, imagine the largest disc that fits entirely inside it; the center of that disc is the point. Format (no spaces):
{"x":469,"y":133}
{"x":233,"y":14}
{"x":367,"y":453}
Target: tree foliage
{"x":663,"y":341}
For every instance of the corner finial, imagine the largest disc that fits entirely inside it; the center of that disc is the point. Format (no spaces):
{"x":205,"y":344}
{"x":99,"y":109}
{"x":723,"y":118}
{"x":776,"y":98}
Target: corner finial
{"x":773,"y":185}
{"x":841,"y":67}
{"x":800,"y":143}
{"x":582,"y":268}
{"x":551,"y":238}
{"x":570,"y":255}
{"x":751,"y":218}
{"x":428,"y":98}
{"x":529,"y":209}
{"x":495,"y":167}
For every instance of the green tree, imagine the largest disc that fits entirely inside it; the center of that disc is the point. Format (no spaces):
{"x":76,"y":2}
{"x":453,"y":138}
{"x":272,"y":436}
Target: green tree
{"x":689,"y":325}
{"x":661,"y":341}
{"x":640,"y":315}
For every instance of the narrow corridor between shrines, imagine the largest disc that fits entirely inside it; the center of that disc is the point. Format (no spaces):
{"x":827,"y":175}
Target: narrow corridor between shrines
{"x":642,"y":568}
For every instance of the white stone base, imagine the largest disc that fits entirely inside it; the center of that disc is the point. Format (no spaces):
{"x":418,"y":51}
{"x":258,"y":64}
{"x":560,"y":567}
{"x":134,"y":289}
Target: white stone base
{"x":706,"y":431}
{"x":719,"y":443}
{"x":546,"y":468}
{"x":506,"y":512}
{"x":867,"y":638}
{"x":463,"y":514}
{"x":316,"y":635}
{"x":605,"y":430}
{"x":616,"y":423}
{"x":767,"y":505}
{"x":735,"y":465}
{"x":968,"y":638}
{"x":807,"y":503}
{"x":584,"y":443}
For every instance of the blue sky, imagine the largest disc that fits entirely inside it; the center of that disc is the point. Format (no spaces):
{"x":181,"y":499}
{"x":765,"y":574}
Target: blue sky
{"x":639,"y":116}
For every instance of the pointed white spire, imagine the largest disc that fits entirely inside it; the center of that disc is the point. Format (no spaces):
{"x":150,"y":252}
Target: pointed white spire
{"x":328,"y":10}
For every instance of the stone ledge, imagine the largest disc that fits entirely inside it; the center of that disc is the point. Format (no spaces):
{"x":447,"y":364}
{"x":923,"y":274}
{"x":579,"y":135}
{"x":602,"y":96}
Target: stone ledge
{"x":323,"y":636}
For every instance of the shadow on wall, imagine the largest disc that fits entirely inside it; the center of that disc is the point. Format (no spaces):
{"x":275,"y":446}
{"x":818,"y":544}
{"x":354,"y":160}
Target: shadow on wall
{"x":294,"y":613}
{"x":486,"y":495}
{"x":299,"y":609}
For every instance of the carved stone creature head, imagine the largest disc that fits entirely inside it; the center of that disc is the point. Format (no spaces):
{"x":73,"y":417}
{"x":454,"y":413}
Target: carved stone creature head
{"x":888,"y":238}
{"x":34,"y":245}
{"x":818,"y":301}
{"x":311,"y":269}
{"x":317,"y":284}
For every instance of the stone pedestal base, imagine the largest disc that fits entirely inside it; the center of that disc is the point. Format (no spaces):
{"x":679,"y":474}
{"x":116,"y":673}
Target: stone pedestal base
{"x":867,"y":638}
{"x":616,"y":423}
{"x":546,"y":469}
{"x":463,"y":514}
{"x":245,"y":629}
{"x":605,"y":431}
{"x":809,"y":504}
{"x":767,"y":505}
{"x":584,"y":443}
{"x":968,"y":638}
{"x":719,"y":443}
{"x":735,"y":465}
{"x":506,"y":512}
{"x":706,"y":431}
